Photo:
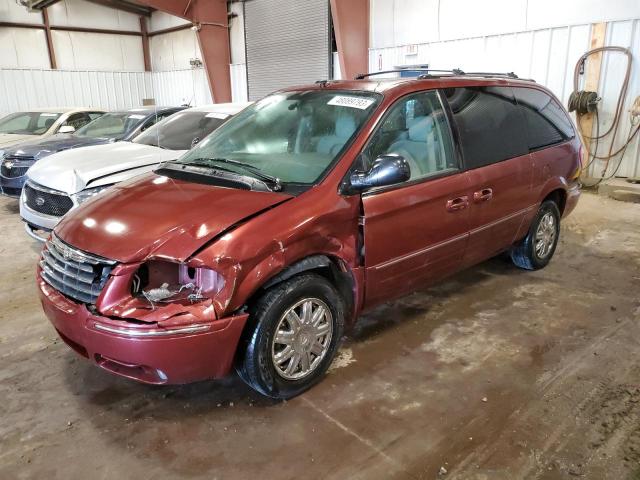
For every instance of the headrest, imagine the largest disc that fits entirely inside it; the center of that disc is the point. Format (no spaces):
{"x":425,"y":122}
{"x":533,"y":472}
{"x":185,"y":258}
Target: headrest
{"x":420,"y":128}
{"x":48,"y":122}
{"x":345,"y":126}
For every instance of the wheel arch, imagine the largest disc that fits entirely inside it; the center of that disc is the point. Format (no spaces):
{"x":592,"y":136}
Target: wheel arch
{"x":333,"y":268}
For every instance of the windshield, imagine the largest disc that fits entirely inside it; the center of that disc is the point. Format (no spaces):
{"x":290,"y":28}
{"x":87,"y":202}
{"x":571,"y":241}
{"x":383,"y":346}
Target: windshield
{"x":111,"y":125}
{"x":293,"y":136}
{"x":179,"y":131}
{"x":28,"y":123}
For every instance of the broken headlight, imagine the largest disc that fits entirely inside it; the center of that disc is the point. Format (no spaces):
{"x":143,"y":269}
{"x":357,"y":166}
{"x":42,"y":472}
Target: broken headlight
{"x":84,"y":195}
{"x":160,"y":281}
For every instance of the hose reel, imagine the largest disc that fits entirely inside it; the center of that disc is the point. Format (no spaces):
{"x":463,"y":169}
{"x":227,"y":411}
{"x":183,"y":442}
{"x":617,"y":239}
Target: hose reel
{"x":583,"y":102}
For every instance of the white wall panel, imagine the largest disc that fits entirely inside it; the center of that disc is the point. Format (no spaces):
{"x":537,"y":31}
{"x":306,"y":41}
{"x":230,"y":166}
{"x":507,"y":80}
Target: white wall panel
{"x":160,"y":21}
{"x":99,"y":51}
{"x":236,"y":34}
{"x":548,"y":56}
{"x":472,"y":18}
{"x":239,"y":83}
{"x":551,"y":13}
{"x":12,"y":12}
{"x":402,"y":22}
{"x":172,"y":51}
{"x":180,"y":87}
{"x":414,"y":21}
{"x":79,"y":13}
{"x":23,"y":48}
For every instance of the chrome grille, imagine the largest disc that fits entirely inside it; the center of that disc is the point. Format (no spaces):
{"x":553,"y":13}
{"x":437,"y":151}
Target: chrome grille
{"x":44,"y":200}
{"x":74,"y":273}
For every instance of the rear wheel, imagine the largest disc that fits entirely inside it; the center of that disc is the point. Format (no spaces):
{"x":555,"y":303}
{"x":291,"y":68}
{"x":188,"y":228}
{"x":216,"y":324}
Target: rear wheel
{"x":537,"y":248}
{"x":297,"y":327}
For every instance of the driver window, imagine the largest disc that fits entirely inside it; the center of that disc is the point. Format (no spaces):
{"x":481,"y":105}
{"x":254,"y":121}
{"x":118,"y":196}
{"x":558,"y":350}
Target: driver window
{"x":416,"y":128}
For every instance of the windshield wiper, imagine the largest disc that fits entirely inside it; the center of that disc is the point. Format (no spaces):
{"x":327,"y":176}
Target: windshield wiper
{"x":275,"y":181}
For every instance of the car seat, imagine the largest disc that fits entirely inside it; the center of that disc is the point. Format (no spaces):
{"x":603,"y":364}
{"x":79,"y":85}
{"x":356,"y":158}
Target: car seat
{"x":419,"y":148}
{"x":344,"y":128}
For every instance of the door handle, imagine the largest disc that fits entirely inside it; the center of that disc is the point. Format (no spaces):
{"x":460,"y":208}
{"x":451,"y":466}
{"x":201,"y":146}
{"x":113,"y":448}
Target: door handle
{"x":482,"y":195}
{"x":456,"y":204}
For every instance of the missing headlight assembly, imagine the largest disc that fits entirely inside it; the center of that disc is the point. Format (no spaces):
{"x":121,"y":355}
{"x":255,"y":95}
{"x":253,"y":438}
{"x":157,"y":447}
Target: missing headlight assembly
{"x":162,"y":282}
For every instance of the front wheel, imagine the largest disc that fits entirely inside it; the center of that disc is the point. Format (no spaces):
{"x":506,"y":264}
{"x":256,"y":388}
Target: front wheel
{"x":297,"y":327}
{"x":537,"y":248}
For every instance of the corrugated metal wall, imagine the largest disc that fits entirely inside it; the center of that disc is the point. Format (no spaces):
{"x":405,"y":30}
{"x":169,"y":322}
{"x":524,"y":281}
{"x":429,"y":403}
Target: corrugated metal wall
{"x":546,"y":55}
{"x":22,"y":89}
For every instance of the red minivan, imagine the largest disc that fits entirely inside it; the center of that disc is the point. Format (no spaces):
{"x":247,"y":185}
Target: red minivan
{"x":261,"y":245}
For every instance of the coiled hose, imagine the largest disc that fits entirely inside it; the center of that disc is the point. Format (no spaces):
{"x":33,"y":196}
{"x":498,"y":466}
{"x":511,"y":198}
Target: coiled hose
{"x":586,"y":102}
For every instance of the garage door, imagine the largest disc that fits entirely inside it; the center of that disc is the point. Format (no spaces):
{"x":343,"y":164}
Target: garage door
{"x":287,"y":44}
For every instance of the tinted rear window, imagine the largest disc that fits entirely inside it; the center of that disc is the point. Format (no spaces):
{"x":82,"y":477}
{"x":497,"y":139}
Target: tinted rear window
{"x":491,"y":127}
{"x":547,"y":122}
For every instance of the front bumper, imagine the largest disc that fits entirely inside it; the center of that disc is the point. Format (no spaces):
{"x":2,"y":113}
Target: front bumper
{"x":145,"y":353}
{"x":12,"y":186}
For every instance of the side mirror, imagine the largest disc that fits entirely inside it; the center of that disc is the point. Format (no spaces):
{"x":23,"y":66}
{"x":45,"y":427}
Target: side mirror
{"x":195,"y":141}
{"x":386,"y":170}
{"x":66,"y":129}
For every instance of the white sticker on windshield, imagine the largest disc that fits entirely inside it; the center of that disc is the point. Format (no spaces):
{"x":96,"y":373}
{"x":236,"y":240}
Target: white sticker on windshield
{"x":136,"y":117}
{"x":221,"y":116}
{"x":49,"y":114}
{"x":351,"y":102}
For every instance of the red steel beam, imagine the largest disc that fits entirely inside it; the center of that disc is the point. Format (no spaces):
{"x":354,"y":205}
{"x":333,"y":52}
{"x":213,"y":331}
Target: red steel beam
{"x":210,"y":18}
{"x":351,"y":26}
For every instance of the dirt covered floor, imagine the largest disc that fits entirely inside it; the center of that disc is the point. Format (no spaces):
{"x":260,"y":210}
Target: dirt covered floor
{"x":495,"y":374}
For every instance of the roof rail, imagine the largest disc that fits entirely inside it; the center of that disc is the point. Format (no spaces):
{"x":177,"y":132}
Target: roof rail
{"x":362,"y":76}
{"x":428,"y":73}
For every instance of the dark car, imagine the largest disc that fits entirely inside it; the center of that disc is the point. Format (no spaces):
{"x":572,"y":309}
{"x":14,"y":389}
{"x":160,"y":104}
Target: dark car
{"x":110,"y":127}
{"x":261,"y":245}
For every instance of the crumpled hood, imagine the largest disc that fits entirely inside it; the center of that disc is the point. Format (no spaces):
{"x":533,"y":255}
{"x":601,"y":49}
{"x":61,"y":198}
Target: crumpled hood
{"x":155,"y":215}
{"x":71,"y":171}
{"x":46,"y":146}
{"x":10,"y":139}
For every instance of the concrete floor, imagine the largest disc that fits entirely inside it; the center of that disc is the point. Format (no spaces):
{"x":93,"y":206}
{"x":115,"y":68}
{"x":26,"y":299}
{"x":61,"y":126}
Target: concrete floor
{"x":496,"y":374}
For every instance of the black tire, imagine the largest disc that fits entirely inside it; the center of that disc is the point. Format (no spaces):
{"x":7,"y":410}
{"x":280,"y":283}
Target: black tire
{"x":255,"y":363}
{"x":524,"y":254}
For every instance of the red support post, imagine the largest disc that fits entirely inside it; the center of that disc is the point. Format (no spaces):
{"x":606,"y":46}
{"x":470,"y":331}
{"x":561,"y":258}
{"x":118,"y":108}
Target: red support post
{"x":210,"y":18}
{"x":351,"y":26}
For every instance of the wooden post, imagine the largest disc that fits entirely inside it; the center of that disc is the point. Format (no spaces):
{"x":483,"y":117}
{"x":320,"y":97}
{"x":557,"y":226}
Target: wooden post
{"x":592,"y":68}
{"x":47,"y":30}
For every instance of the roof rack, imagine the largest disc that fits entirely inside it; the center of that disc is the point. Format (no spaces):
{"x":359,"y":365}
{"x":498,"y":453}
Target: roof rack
{"x":426,"y":70}
{"x":428,"y":73}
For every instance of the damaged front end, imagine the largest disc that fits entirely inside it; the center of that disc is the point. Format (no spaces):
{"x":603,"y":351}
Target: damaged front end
{"x":170,"y":295}
{"x":153,"y":321}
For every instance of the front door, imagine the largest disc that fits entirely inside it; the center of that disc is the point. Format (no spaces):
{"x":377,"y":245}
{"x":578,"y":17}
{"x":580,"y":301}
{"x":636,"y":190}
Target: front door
{"x":414,"y":233}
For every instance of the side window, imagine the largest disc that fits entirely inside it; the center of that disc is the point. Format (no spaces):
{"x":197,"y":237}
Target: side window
{"x":415,"y":128}
{"x":45,"y":121}
{"x":491,"y":127}
{"x":547,"y":122}
{"x":78,"y":120}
